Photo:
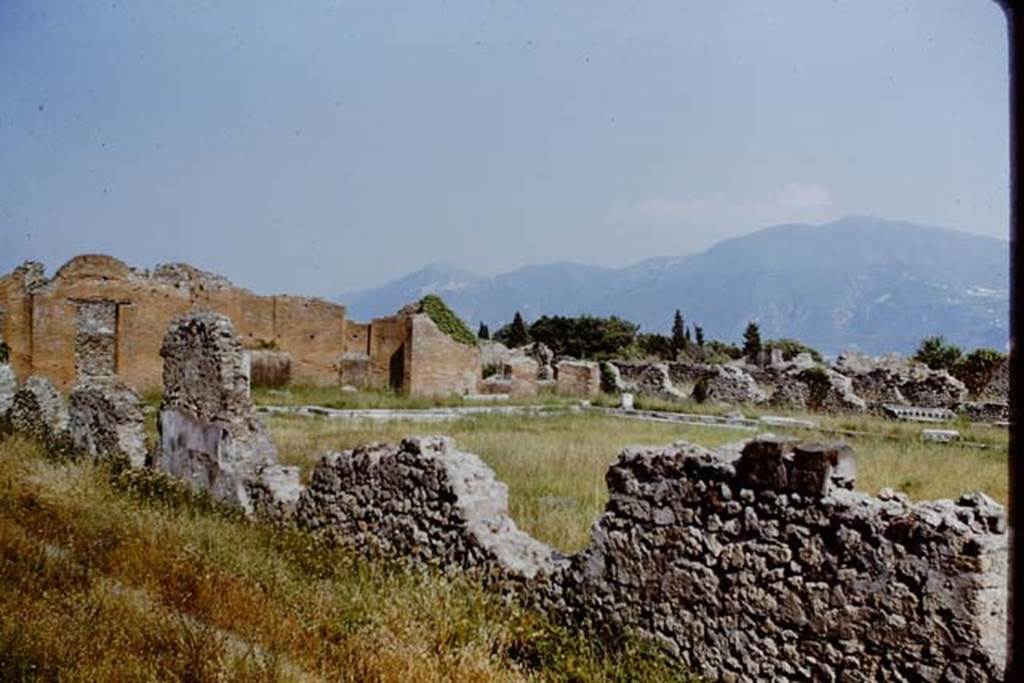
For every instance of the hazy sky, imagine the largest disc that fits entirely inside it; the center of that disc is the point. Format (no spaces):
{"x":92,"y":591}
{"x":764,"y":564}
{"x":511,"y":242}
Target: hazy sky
{"x":315,"y":147}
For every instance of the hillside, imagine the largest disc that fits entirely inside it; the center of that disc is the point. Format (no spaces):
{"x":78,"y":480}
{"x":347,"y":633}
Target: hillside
{"x":859,"y":282}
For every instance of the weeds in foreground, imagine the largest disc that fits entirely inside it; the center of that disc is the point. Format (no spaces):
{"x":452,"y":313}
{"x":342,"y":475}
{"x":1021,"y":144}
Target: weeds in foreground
{"x":107,"y":577}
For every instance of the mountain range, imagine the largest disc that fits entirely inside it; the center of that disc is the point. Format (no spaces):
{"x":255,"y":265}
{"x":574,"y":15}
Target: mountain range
{"x":857,"y":283}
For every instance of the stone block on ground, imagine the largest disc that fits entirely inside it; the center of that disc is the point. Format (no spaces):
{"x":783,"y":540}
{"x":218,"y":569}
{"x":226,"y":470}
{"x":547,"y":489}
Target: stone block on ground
{"x":578,"y":378}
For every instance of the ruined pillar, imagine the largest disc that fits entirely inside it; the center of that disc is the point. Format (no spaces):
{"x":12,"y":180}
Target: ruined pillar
{"x":210,"y":435}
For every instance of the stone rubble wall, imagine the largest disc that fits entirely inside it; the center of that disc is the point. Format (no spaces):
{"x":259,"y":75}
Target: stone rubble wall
{"x":647,"y":379}
{"x":425,"y":500}
{"x":39,"y":411}
{"x":106,"y":419}
{"x":760,"y":567}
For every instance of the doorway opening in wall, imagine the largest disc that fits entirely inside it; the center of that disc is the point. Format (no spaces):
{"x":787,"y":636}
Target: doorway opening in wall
{"x":95,"y":338}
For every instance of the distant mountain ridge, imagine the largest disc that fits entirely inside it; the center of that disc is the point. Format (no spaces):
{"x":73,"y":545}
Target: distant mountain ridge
{"x":859,"y":282}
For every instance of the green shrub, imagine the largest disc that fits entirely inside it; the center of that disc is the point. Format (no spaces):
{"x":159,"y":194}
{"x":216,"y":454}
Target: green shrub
{"x":937,"y":354}
{"x":5,"y":352}
{"x":490,"y":370}
{"x":977,"y":368}
{"x":791,"y":348}
{"x":446,"y":320}
{"x":818,"y":384}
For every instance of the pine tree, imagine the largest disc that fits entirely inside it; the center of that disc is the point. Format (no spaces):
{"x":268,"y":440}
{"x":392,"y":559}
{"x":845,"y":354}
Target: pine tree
{"x":751,"y":339}
{"x":698,"y":331}
{"x":514,"y":334}
{"x":483,"y":332}
{"x":678,"y":333}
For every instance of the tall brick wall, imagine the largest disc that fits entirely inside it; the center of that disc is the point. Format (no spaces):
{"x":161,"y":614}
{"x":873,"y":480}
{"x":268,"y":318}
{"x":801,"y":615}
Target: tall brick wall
{"x":437,"y":364}
{"x":387,"y":336}
{"x":40,"y":318}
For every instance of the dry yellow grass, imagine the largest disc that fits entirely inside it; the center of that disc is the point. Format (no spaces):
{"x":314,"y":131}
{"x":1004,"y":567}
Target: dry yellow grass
{"x":114,"y":577}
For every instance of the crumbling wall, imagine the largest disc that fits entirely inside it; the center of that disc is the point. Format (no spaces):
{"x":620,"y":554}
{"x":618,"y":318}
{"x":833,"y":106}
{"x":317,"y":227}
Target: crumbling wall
{"x":578,"y":377}
{"x":894,"y":380}
{"x":425,"y":500}
{"x":39,"y":411}
{"x":269,"y":368}
{"x":761,"y":568}
{"x":105,"y":420}
{"x":210,"y":435}
{"x":61,"y":328}
{"x":437,"y":364}
{"x":647,"y":379}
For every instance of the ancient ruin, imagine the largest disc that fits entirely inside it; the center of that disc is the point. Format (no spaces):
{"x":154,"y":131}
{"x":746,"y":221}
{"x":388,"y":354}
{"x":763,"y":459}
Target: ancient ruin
{"x":755,"y":561}
{"x":98,"y":317}
{"x":210,"y":435}
{"x":425,"y":500}
{"x":105,"y":419}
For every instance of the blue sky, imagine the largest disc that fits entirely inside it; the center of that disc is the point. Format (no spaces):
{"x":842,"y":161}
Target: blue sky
{"x":316,"y":147}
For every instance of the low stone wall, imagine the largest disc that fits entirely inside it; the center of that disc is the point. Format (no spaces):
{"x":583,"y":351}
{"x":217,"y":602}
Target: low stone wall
{"x":425,"y":500}
{"x":761,"y":568}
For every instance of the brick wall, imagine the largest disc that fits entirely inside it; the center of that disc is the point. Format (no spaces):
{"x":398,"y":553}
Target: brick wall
{"x":40,"y":318}
{"x":436,"y":363}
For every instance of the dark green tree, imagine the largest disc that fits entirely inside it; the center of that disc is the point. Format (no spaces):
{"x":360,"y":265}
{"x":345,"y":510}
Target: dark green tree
{"x":678,"y":333}
{"x":698,"y":332}
{"x":977,"y":368}
{"x":751,"y":339}
{"x":937,"y":354}
{"x":483,"y":332}
{"x":515,"y":333}
{"x":586,"y":336}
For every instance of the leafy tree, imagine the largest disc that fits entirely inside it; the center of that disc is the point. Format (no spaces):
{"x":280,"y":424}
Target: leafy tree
{"x":716,"y":351}
{"x":678,"y":333}
{"x":483,"y":332}
{"x":585,"y":336}
{"x":937,"y":354}
{"x":791,"y":348}
{"x":654,"y":346}
{"x":751,"y":339}
{"x":514,"y":334}
{"x":976,"y":369}
{"x":698,"y":332}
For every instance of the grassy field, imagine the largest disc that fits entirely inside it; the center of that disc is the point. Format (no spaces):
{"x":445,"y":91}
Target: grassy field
{"x":555,"y":466}
{"x":108,"y":576}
